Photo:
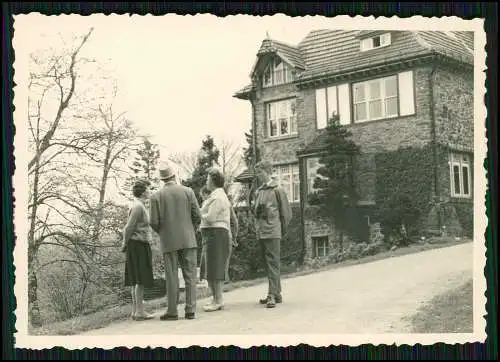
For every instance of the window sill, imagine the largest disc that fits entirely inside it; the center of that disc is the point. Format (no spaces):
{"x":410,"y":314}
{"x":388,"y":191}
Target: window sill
{"x":358,"y":123}
{"x":281,"y":138}
{"x":461,"y":198}
{"x":366,"y":203}
{"x":374,"y":48}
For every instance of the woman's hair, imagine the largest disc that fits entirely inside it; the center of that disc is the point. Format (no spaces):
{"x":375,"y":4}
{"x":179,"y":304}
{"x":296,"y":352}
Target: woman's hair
{"x":204,"y":191}
{"x":139,"y":187}
{"x":216,"y":176}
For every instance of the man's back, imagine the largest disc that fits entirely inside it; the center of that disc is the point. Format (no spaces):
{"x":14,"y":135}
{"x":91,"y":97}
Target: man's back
{"x":175,"y":214}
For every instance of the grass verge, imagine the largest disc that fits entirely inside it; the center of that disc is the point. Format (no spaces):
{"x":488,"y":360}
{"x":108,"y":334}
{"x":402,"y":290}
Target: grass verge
{"x":450,"y":312}
{"x":107,"y":316}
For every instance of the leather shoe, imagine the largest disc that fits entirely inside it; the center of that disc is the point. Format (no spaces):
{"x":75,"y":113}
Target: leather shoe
{"x":168,"y":317}
{"x":278,"y":299}
{"x":271,"y":302}
{"x":189,"y":316}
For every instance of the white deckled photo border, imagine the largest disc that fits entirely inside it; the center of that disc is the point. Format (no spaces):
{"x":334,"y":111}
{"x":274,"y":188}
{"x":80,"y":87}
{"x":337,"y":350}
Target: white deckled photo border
{"x":24,"y":340}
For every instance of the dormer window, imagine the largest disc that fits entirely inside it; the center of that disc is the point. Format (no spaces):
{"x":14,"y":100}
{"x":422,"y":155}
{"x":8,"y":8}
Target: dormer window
{"x":276,"y":73}
{"x":375,"y":42}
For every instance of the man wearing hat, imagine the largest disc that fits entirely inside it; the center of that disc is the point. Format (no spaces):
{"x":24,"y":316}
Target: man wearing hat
{"x":272,"y":216}
{"x":175,"y":215}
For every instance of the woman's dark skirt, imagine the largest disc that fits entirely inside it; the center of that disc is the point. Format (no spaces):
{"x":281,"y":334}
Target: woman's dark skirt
{"x":139,"y":264}
{"x":217,"y":252}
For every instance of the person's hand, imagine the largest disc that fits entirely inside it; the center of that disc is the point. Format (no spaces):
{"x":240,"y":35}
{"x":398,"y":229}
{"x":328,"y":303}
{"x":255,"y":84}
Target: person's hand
{"x":124,"y":247}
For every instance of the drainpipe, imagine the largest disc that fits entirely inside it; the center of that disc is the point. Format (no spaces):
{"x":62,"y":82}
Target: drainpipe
{"x":434,"y":137}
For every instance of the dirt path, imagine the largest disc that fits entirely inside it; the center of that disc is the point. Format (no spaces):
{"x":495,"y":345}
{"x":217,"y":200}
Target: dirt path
{"x":366,"y":298}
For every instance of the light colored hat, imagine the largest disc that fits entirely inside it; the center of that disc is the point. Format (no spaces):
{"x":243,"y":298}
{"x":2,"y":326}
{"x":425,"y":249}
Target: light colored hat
{"x":166,"y":171}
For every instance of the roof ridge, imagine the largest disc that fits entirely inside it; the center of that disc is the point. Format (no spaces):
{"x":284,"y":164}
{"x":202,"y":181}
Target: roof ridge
{"x":283,"y":43}
{"x":421,"y":41}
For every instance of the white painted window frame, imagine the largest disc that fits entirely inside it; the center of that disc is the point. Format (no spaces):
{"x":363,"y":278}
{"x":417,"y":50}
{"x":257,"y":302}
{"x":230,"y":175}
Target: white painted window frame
{"x":368,"y":43}
{"x":291,"y":170}
{"x":283,"y":68}
{"x":291,"y":117}
{"x":367,"y":99}
{"x":324,"y":247}
{"x":461,"y":161}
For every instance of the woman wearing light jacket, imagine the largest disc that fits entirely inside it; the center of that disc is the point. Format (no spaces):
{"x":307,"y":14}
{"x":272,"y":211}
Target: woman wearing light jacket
{"x":215,"y":227}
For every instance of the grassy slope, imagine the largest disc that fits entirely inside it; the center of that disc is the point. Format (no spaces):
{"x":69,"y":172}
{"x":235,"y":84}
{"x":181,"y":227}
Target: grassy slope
{"x":107,"y":316}
{"x":450,"y":312}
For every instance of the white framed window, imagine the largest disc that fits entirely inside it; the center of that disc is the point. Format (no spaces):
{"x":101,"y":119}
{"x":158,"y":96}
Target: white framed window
{"x":287,"y":176}
{"x":312,"y":172}
{"x":388,"y":97}
{"x":330,"y":100}
{"x":375,"y":42}
{"x":375,"y":99}
{"x":276,"y":73}
{"x":460,"y":175}
{"x":281,"y":118}
{"x":321,"y":246}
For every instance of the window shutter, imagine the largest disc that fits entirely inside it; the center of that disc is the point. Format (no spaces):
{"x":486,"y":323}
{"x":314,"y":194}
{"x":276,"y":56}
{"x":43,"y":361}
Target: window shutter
{"x":321,"y":108}
{"x":385,"y":39}
{"x":406,"y":93}
{"x":332,"y":101}
{"x":344,"y":103}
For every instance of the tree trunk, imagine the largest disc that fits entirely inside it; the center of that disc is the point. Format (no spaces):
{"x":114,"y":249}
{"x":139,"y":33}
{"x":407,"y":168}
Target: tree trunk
{"x":34,"y":309}
{"x":102,"y":195}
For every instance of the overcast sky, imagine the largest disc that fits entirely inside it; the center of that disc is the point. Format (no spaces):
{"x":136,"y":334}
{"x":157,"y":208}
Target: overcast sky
{"x":176,"y":74}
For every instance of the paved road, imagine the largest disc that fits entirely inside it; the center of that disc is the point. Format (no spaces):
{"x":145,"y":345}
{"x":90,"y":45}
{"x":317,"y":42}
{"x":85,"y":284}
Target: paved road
{"x":366,"y":298}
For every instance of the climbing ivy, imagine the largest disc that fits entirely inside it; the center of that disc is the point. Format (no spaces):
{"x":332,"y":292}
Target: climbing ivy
{"x":403,"y":190}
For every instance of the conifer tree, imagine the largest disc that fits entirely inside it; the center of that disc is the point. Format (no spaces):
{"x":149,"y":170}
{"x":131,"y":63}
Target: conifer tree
{"x":335,"y":193}
{"x":144,"y":166}
{"x":208,"y":158}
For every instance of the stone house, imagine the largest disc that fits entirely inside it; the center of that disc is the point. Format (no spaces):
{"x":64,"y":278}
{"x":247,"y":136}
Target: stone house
{"x":398,"y":92}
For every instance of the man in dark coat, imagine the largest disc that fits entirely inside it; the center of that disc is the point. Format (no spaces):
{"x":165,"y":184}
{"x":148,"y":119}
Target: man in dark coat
{"x":175,"y":215}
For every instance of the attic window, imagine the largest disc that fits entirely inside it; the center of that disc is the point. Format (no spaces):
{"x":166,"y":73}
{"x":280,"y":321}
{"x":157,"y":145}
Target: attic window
{"x":276,"y":73}
{"x":378,"y":41}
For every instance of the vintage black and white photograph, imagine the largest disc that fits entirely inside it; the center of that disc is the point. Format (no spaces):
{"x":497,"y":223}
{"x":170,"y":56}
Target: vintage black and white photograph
{"x":246,"y":180}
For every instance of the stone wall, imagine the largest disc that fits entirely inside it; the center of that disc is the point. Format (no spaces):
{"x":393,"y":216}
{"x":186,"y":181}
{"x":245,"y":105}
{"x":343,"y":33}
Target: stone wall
{"x":453,"y":97}
{"x":454,"y":102}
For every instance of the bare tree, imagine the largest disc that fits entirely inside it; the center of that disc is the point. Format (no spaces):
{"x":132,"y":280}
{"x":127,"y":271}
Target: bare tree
{"x":55,"y":80}
{"x":118,"y":138}
{"x":231,"y":159}
{"x":187,"y":162}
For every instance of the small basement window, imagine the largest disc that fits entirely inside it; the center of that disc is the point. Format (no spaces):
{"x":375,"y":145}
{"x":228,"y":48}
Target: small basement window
{"x":321,"y":246}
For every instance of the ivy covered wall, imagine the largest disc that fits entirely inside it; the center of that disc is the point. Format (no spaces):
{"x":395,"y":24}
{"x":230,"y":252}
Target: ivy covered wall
{"x":403,"y":189}
{"x":404,"y":193}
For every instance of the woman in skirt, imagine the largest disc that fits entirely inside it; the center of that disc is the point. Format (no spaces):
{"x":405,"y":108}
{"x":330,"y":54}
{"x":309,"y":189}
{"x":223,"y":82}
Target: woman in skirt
{"x":204,"y":193}
{"x":137,"y":236}
{"x":215,"y":228}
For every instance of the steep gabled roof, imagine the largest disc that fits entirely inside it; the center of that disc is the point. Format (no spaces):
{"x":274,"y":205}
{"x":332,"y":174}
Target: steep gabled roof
{"x":289,"y":53}
{"x":329,"y":52}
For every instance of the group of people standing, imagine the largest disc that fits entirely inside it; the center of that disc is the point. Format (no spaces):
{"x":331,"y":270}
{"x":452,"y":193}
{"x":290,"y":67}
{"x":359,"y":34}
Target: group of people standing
{"x":175,"y":215}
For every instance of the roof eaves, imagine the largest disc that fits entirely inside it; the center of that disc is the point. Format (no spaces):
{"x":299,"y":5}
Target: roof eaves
{"x":244,"y":176}
{"x":244,"y":92}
